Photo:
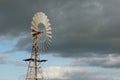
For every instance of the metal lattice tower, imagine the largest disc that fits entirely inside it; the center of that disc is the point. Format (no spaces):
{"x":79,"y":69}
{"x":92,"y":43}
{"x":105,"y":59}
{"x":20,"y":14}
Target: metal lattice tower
{"x":41,"y":36}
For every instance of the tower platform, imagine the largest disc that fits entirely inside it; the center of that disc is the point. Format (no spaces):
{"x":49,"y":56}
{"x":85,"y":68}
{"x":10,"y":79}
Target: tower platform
{"x":30,"y":59}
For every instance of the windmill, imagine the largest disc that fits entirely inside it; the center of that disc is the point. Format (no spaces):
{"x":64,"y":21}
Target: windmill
{"x":41,"y":36}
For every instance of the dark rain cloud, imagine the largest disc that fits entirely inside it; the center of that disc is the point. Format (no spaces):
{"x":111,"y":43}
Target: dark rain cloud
{"x":80,"y":27}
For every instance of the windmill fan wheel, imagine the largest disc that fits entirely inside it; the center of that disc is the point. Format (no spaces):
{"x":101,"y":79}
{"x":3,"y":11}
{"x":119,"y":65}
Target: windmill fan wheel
{"x":41,"y":31}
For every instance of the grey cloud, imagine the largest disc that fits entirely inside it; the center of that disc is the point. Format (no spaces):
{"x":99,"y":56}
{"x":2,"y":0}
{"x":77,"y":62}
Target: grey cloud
{"x":109,"y":61}
{"x":79,"y":26}
{"x":24,"y":43}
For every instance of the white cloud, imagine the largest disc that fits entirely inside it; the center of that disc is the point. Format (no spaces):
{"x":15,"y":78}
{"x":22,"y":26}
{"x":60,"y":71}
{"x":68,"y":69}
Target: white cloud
{"x":73,"y":73}
{"x":56,"y":72}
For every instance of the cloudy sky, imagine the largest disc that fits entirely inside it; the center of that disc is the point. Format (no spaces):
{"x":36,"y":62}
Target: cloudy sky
{"x":85,"y":44}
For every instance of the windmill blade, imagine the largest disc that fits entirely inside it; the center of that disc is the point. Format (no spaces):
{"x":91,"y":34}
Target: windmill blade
{"x":35,"y":42}
{"x":40,"y":47}
{"x":47,"y":21}
{"x":44,"y":17}
{"x":38,"y":16}
{"x":44,"y":47}
{"x":49,"y":36}
{"x":49,"y":32}
{"x":35,"y":39}
{"x":41,"y":16}
{"x":34,"y":25}
{"x":47,"y":44}
{"x":47,"y":25}
{"x":48,"y":40}
{"x":48,"y":29}
{"x":34,"y":33}
{"x":35,"y":29}
{"x":35,"y":21}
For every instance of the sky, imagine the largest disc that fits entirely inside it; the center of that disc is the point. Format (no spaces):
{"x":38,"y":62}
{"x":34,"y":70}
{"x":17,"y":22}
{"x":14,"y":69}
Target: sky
{"x":85,"y":44}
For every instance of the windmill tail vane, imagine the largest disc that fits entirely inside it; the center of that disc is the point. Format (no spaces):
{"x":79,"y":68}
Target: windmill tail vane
{"x":41,"y":35}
